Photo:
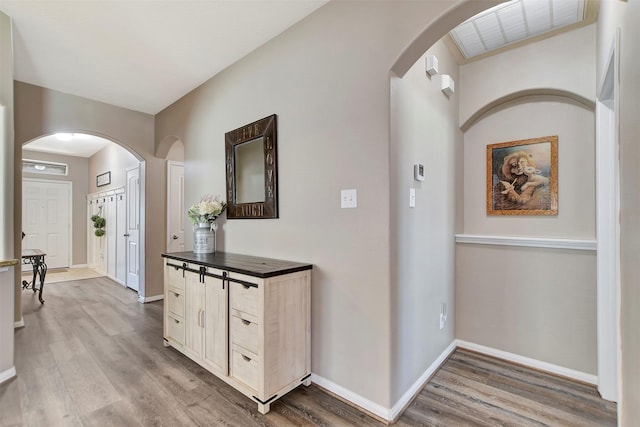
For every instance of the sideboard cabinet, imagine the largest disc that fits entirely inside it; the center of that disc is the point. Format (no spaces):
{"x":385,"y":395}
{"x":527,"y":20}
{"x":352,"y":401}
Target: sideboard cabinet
{"x":245,"y":319}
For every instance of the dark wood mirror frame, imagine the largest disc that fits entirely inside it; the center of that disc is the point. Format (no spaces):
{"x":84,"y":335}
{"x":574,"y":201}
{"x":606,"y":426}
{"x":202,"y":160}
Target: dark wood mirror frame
{"x":265,"y":128}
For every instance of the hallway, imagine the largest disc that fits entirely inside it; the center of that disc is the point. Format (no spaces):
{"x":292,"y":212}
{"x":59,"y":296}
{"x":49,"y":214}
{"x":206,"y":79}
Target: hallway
{"x":92,"y":355}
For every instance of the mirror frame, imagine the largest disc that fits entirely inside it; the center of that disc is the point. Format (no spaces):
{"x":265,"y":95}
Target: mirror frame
{"x":265,"y":128}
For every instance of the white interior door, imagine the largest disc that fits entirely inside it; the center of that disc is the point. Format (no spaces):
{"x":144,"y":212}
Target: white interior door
{"x":93,"y":244}
{"x":133,"y":228}
{"x":110,"y":229}
{"x":175,"y":206}
{"x":46,"y":219}
{"x":121,"y":238}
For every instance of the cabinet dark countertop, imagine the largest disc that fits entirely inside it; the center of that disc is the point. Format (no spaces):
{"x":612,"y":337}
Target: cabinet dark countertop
{"x":244,"y":264}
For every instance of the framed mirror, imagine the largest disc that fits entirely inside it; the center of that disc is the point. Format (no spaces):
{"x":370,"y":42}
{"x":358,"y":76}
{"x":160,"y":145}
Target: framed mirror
{"x":252,"y":170}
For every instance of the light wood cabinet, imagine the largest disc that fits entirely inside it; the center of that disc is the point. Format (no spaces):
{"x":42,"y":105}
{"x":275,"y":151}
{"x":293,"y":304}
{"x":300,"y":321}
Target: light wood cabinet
{"x":245,"y":319}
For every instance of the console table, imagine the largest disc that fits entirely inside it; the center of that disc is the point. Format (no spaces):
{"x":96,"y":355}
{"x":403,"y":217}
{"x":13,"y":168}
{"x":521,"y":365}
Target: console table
{"x":35,"y":257}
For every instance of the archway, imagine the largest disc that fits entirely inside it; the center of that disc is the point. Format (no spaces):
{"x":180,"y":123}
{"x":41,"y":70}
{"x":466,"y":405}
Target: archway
{"x":97,"y":168}
{"x":404,"y":214}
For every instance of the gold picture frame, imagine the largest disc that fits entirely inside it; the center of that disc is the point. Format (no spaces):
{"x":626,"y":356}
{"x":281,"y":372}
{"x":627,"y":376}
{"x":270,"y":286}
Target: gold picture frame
{"x":522,"y":177}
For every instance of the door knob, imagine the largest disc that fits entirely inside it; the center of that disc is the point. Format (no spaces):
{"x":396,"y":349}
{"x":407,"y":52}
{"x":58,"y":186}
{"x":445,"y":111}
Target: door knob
{"x":174,"y":237}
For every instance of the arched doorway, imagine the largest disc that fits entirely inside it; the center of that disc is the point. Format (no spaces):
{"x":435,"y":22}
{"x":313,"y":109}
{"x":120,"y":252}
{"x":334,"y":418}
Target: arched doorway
{"x":573,"y":103}
{"x":103,"y":178}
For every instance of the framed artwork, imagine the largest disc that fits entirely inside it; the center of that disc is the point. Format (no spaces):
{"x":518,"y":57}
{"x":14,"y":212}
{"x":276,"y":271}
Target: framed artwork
{"x":522,"y":177}
{"x":103,"y":179}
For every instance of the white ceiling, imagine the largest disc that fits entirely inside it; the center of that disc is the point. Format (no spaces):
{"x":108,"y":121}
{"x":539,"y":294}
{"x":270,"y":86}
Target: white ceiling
{"x":514,"y":21}
{"x":145,"y":54}
{"x":81,"y":145}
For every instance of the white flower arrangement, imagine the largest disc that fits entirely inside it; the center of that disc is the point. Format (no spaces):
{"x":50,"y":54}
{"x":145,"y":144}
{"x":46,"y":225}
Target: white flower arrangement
{"x":207,"y":209}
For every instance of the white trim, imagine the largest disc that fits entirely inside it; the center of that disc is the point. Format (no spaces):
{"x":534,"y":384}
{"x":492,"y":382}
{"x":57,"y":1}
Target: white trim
{"x":608,"y":226}
{"x":143,"y":299}
{"x":529,"y":242}
{"x":421,"y":382}
{"x":8,"y":374}
{"x":379,"y":410}
{"x":80,"y":266}
{"x":352,"y":397}
{"x":169,"y":164}
{"x":532,"y":363}
{"x":19,"y":323}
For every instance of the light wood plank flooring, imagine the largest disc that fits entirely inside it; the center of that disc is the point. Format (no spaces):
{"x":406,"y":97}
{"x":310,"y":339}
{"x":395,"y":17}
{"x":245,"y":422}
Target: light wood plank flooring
{"x":93,"y":356}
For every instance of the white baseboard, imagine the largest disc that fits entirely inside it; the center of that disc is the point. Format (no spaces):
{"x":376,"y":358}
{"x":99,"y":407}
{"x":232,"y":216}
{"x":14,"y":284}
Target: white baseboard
{"x":417,"y":386}
{"x":352,"y":397}
{"x":19,"y":323}
{"x":529,"y":362}
{"x":80,"y":266}
{"x":388,"y":414}
{"x":150,"y":299}
{"x":8,"y":374}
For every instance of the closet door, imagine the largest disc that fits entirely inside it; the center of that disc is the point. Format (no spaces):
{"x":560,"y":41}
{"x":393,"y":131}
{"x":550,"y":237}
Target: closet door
{"x":121,"y":239}
{"x":133,"y":227}
{"x":111,"y":229}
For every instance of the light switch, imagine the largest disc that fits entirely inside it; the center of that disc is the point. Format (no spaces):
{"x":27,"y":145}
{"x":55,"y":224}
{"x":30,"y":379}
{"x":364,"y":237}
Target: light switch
{"x":412,"y":197}
{"x":349,"y":198}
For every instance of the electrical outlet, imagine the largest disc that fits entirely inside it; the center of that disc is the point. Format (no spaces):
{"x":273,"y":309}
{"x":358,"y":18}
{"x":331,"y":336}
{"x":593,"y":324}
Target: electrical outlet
{"x":442,"y":319}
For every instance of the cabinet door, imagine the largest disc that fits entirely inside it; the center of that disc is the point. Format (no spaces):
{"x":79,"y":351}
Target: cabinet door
{"x":193,"y":316}
{"x":215,"y":325}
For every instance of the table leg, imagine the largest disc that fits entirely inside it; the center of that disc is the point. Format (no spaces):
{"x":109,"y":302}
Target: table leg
{"x":35,"y":274}
{"x":39,"y":271}
{"x":42,"y":266}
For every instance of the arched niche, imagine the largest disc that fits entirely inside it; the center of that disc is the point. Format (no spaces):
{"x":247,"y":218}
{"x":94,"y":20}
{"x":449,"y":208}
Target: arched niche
{"x":524,"y":96}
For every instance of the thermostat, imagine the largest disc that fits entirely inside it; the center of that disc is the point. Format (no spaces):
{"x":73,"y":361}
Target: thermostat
{"x":418,"y":172}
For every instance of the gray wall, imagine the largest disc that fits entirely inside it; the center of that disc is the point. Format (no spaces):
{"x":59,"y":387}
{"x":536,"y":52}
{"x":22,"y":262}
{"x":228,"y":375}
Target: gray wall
{"x":537,"y":303}
{"x":78,"y":168}
{"x":114,"y":159}
{"x":423,"y":130}
{"x":41,"y":111}
{"x":626,"y":15}
{"x":574,"y":125}
{"x":327,"y":78}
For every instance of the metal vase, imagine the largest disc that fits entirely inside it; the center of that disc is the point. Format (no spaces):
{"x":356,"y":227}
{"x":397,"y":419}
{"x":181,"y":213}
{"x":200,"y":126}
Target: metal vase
{"x":204,"y":238}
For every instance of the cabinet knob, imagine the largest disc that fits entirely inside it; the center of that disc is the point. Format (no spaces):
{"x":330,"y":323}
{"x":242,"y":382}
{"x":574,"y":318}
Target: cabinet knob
{"x":246,"y":322}
{"x":174,"y":237}
{"x":246,"y":359}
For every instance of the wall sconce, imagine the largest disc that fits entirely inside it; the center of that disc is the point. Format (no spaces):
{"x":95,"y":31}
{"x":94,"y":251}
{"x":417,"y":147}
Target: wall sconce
{"x":447,"y":85}
{"x":431,"y":65}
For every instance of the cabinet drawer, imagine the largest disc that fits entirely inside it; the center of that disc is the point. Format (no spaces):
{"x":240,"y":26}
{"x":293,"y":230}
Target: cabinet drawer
{"x":244,"y":298}
{"x":176,"y":278}
{"x":175,"y":301}
{"x":244,"y":333}
{"x":175,"y":329}
{"x":244,"y":367}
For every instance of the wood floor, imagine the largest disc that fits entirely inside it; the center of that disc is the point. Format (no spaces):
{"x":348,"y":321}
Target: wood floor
{"x":93,"y":356}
